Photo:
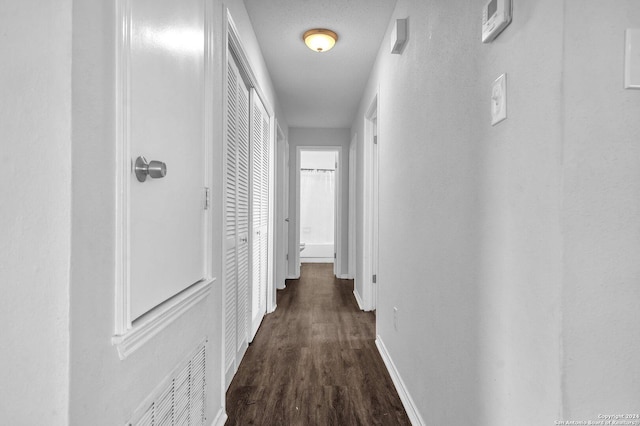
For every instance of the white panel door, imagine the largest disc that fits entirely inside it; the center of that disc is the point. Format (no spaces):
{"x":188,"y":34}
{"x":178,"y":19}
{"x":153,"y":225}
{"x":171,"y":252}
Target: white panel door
{"x":260,"y":146}
{"x":236,"y":221}
{"x":166,"y":113}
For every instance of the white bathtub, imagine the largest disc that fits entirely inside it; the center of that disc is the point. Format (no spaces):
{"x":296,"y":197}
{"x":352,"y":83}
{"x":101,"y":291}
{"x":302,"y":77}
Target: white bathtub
{"x":316,"y":253}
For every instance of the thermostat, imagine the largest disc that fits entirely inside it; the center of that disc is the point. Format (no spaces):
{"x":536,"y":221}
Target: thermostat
{"x":496,"y":15}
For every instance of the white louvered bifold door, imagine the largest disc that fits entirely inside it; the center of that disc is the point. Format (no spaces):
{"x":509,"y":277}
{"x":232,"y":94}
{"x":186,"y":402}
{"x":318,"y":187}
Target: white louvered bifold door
{"x":236,"y":220}
{"x":260,"y":146}
{"x":243,"y":223}
{"x":231,"y":232}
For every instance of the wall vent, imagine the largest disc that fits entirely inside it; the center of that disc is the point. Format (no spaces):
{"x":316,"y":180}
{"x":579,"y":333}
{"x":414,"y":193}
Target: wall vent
{"x":180,"y":398}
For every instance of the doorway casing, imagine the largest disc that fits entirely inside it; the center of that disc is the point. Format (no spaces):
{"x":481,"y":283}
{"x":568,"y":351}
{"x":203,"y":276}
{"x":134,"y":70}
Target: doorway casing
{"x":370,"y":278}
{"x":337,"y":237}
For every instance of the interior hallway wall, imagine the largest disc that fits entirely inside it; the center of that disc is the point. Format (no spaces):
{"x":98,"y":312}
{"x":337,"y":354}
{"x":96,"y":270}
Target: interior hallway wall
{"x":300,"y":137}
{"x":35,"y":217}
{"x":470,"y":249}
{"x":105,"y":390}
{"x":429,"y":115}
{"x":601,"y":213}
{"x":510,"y":251}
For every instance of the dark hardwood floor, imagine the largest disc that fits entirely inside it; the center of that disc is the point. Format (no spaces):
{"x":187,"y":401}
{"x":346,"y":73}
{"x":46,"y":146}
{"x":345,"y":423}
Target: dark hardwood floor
{"x":314,"y":362}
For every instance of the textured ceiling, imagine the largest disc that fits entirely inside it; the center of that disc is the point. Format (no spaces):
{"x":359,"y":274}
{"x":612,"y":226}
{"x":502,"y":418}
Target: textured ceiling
{"x":319,"y":89}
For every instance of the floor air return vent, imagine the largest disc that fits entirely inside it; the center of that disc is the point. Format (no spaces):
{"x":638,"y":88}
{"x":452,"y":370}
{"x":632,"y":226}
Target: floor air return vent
{"x":179,"y":400}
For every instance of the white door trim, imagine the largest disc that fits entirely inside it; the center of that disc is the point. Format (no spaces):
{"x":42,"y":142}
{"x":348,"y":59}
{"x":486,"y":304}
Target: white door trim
{"x":369,"y":288}
{"x":353,"y":154}
{"x":234,"y":46}
{"x":282,"y":209}
{"x":337,"y":238}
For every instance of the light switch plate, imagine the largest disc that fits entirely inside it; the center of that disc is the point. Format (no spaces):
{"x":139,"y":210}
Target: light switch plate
{"x":499,"y":100}
{"x":632,"y":59}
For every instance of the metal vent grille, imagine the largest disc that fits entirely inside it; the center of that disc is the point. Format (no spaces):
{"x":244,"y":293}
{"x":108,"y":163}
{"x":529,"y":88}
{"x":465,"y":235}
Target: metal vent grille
{"x":180,"y":399}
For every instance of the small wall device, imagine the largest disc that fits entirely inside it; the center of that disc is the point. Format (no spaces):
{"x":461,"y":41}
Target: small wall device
{"x":399,"y":36}
{"x":496,"y":16}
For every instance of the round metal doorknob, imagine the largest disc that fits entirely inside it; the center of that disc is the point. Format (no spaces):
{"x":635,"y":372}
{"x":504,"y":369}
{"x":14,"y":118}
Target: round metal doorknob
{"x":154,"y":169}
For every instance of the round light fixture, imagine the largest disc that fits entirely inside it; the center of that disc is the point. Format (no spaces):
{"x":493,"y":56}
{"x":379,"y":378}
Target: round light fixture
{"x":320,"y":39}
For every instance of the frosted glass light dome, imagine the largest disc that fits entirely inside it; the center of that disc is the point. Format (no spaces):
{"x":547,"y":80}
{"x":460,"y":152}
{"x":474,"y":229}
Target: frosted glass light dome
{"x":320,"y":39}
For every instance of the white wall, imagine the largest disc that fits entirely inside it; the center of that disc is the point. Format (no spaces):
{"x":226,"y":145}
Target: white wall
{"x":601,"y":207}
{"x":35,"y":218}
{"x":300,"y":137}
{"x":103,"y":389}
{"x":429,"y":114}
{"x":509,"y":251}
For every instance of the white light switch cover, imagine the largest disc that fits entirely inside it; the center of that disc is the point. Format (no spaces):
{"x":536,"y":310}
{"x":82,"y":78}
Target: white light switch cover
{"x":499,"y":100}
{"x":632,"y":59}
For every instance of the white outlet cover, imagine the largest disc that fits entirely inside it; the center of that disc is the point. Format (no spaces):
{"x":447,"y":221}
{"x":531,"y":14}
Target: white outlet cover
{"x":499,"y":100}
{"x":632,"y":59}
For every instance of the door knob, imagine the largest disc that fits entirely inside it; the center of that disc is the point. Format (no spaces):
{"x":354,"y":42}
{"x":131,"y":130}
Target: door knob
{"x":243,"y":240}
{"x":154,"y":169}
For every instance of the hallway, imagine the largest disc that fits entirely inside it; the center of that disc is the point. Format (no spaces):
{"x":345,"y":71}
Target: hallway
{"x":314,"y":361}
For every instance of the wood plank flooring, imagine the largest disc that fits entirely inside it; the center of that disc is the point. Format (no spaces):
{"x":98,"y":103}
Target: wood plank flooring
{"x":314,"y":362}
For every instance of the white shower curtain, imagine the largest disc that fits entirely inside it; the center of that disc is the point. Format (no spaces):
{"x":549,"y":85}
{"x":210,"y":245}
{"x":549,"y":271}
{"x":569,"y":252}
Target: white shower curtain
{"x":317,"y":199}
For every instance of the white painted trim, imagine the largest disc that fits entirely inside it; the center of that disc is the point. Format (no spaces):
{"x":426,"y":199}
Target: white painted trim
{"x":235,"y":46}
{"x":337,"y":217}
{"x":337,"y":238}
{"x":123,"y":142}
{"x":130,"y":334}
{"x":368,"y":288}
{"x":271,"y":240}
{"x":255,"y":325}
{"x":344,"y":277}
{"x":353,"y":155}
{"x":358,"y":300}
{"x":221,"y":418}
{"x":280,"y":209}
{"x":403,"y":392}
{"x":157,"y":319}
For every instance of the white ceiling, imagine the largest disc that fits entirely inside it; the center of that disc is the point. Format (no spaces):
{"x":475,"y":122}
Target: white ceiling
{"x":319,"y":89}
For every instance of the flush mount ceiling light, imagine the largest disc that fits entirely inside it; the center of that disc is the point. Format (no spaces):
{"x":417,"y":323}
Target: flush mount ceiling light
{"x":320,"y":39}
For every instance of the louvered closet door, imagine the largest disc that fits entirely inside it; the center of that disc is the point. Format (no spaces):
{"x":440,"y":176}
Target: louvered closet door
{"x":243,"y":224}
{"x":236,"y":221}
{"x":260,"y":150}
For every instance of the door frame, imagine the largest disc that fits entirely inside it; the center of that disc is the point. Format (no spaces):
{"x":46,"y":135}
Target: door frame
{"x":353,"y":160}
{"x":370,"y":226}
{"x":235,"y":47}
{"x":337,"y":236}
{"x":282,"y":209}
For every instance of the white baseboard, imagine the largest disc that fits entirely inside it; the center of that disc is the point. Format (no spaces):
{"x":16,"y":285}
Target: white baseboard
{"x":403,"y":392}
{"x":220,"y":419}
{"x":293,"y":277}
{"x":344,"y":277}
{"x":358,"y":300}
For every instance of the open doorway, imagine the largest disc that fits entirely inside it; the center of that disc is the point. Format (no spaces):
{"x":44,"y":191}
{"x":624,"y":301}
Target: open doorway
{"x":318,"y":205}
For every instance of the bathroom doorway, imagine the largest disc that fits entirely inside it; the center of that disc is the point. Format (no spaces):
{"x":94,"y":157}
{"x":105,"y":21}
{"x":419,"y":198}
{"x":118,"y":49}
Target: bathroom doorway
{"x":319,"y":179}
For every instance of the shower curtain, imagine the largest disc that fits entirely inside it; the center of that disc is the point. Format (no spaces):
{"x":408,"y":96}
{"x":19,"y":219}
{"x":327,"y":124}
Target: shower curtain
{"x":317,"y":199}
